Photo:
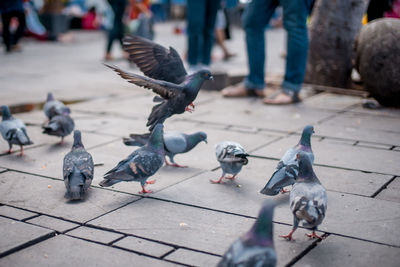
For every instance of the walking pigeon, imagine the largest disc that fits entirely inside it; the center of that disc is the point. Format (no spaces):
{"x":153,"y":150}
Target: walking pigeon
{"x":13,"y":130}
{"x":308,"y":200}
{"x":141,"y":164}
{"x":174,"y":143}
{"x":53,"y":107}
{"x":256,"y":247}
{"x":78,"y":169}
{"x":59,"y":125}
{"x":231,"y":157}
{"x":286,"y":172}
{"x":166,"y":76}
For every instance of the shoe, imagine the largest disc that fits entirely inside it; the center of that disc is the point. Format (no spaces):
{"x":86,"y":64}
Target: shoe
{"x":228,"y":56}
{"x":240,"y":90}
{"x":108,"y":57}
{"x":282,"y":98}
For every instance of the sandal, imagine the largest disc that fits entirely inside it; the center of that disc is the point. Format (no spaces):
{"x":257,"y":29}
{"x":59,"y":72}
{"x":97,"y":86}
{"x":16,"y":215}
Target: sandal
{"x":240,"y":90}
{"x":282,"y":98}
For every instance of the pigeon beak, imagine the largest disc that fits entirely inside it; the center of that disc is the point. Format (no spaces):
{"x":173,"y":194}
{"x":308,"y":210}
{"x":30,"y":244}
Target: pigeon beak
{"x":211,"y":78}
{"x":205,"y":141}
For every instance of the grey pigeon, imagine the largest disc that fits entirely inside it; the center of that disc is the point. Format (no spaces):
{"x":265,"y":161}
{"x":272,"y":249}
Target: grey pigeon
{"x":59,"y":125}
{"x":286,"y":172}
{"x":13,"y":130}
{"x":256,"y":247}
{"x":141,"y":164}
{"x":53,"y":107}
{"x":78,"y":169}
{"x":166,"y":76}
{"x":231,"y":157}
{"x":308,"y":200}
{"x":174,"y":143}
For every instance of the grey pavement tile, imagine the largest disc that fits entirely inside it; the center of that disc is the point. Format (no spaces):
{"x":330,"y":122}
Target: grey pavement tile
{"x":338,"y":141}
{"x":143,"y":246}
{"x":48,"y":159}
{"x":193,"y":258}
{"x":46,"y":196}
{"x":331,"y":101}
{"x":2,"y":170}
{"x":14,"y":213}
{"x":337,"y":155}
{"x":391,"y":192}
{"x":14,"y":234}
{"x":120,"y":127}
{"x":53,"y":223}
{"x":98,"y":235}
{"x":397,"y":148}
{"x":383,"y":111}
{"x":64,"y":250}
{"x":342,"y":251}
{"x":372,"y":145}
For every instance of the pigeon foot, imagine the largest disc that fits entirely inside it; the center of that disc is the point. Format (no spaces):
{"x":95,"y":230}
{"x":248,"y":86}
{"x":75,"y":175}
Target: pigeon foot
{"x":150,"y":182}
{"x":314,"y":235}
{"x":283,"y":191}
{"x":190,"y":108}
{"x":22,"y":151}
{"x":8,"y":151}
{"x":174,"y":164}
{"x":231,"y":177}
{"x":288,"y":236}
{"x":144,"y":191}
{"x":219,"y":181}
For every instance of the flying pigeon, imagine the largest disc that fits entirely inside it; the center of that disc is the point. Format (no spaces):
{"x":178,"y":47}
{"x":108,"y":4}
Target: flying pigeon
{"x":78,"y":169}
{"x":286,"y":172}
{"x":13,"y":130}
{"x":256,"y":247}
{"x":166,"y":76}
{"x":308,"y":200}
{"x":174,"y":143}
{"x":53,"y":107}
{"x":231,"y":157}
{"x":141,"y":164}
{"x":59,"y":125}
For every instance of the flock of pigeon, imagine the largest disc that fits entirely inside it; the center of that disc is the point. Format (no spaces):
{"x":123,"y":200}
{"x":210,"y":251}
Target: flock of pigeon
{"x":177,"y":90}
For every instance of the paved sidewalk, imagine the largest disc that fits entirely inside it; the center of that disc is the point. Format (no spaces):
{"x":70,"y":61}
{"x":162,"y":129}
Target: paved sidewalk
{"x":188,"y":221}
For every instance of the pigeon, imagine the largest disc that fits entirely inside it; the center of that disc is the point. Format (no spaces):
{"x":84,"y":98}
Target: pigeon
{"x":166,"y":76}
{"x":13,"y":130}
{"x":59,"y":125}
{"x":174,"y":143}
{"x":78,"y":169}
{"x":286,"y":172}
{"x":231,"y":157}
{"x":308,"y":200}
{"x":141,"y":164}
{"x":256,"y":247}
{"x":53,"y":107}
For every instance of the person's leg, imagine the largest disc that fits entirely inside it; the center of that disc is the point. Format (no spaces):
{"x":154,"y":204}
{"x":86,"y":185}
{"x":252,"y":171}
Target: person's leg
{"x":20,"y":15}
{"x":196,"y":10}
{"x":6,"y":18}
{"x":208,"y":33}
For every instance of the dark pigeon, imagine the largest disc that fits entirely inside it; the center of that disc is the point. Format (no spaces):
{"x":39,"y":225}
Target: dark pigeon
{"x":166,"y":76}
{"x":141,"y":164}
{"x":59,"y":125}
{"x":78,"y":169}
{"x":53,"y":107}
{"x":174,"y":143}
{"x":286,"y":172}
{"x":308,"y":200}
{"x":231,"y":156}
{"x":13,"y":130}
{"x":256,"y":247}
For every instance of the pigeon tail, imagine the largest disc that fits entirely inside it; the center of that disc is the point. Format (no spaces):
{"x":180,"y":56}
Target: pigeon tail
{"x":283,"y":176}
{"x":51,"y":127}
{"x":75,"y":193}
{"x":136,"y":139}
{"x":107,"y":183}
{"x":22,"y":138}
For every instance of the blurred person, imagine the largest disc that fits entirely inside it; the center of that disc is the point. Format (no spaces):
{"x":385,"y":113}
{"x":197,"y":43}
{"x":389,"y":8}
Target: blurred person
{"x":10,"y":9}
{"x":34,"y":27}
{"x":117,"y":30}
{"x":255,"y":20}
{"x":141,"y":19}
{"x":222,"y":31}
{"x":201,"y":16}
{"x":90,"y":20}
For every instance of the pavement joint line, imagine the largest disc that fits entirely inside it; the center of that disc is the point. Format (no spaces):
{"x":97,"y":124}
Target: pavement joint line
{"x":362,"y":239}
{"x":25,"y":149}
{"x":30,"y":218}
{"x":35,"y":174}
{"x":116,"y":240}
{"x":168,"y":253}
{"x":383,"y":187}
{"x":103,"y":144}
{"x":181,"y":181}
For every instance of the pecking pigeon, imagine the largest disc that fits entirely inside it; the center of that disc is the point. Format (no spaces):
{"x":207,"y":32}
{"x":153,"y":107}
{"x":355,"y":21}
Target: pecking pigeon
{"x":53,"y":107}
{"x":308,"y":200}
{"x":59,"y":125}
{"x":286,"y":172}
{"x":174,"y":143}
{"x":13,"y":130}
{"x":141,"y":164}
{"x":78,"y":169}
{"x":256,"y":247}
{"x":231,"y":157}
{"x":166,"y":76}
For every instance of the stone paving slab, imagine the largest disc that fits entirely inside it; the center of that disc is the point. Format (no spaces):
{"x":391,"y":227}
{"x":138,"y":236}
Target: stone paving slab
{"x":193,"y":258}
{"x":143,"y":246}
{"x":63,"y":250}
{"x":14,"y":213}
{"x":344,"y":156}
{"x":97,"y":235}
{"x":53,"y":223}
{"x":341,"y":251}
{"x":46,"y":196}
{"x":2,"y":170}
{"x":372,"y":145}
{"x":383,"y":111}
{"x":330,"y":101}
{"x":391,"y":193}
{"x":14,"y":234}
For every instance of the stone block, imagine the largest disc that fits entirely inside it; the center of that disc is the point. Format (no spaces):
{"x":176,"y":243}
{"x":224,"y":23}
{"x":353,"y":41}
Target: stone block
{"x":97,"y":235}
{"x":53,"y":223}
{"x":14,"y":213}
{"x":330,"y":101}
{"x":193,"y":258}
{"x":143,"y":246}
{"x":391,"y":192}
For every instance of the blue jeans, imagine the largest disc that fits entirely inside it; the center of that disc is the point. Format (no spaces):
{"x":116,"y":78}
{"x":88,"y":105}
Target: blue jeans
{"x":201,"y":15}
{"x":255,"y":19}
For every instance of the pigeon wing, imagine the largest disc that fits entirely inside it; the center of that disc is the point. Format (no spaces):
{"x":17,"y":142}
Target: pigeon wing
{"x":154,"y":60}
